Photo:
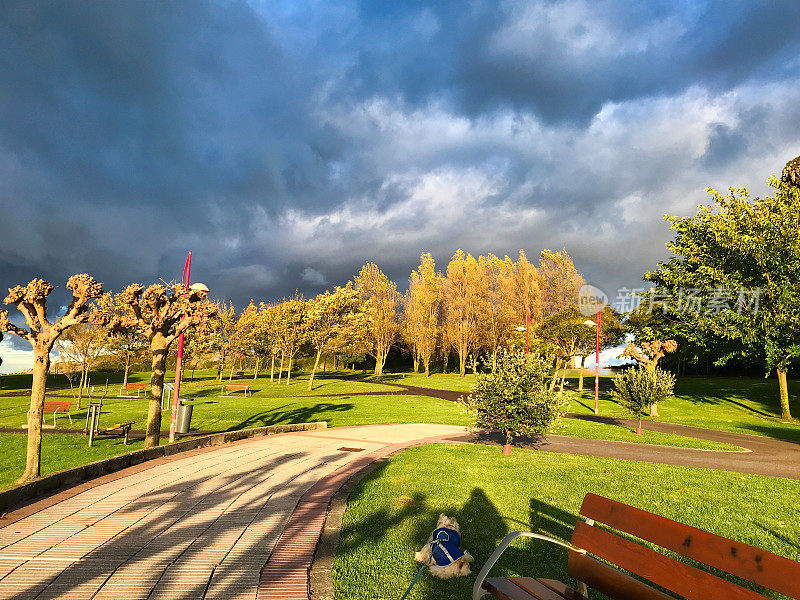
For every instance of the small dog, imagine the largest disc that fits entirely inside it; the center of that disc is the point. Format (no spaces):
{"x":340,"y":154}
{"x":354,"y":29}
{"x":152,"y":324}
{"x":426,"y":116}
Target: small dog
{"x":443,"y":551}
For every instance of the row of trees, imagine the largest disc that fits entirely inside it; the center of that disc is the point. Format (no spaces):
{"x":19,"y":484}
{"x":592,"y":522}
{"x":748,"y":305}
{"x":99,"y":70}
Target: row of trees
{"x":474,"y":307}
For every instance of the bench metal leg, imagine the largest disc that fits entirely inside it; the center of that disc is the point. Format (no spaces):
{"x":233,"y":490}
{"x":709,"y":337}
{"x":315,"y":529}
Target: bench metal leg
{"x":477,"y":589}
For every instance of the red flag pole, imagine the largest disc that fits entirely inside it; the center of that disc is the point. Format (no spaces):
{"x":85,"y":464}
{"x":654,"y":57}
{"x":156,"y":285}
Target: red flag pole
{"x":179,"y":363}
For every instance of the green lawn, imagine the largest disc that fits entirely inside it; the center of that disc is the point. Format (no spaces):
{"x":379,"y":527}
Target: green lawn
{"x":59,"y":452}
{"x":436,"y":381}
{"x":393,"y":510}
{"x":740,"y":404}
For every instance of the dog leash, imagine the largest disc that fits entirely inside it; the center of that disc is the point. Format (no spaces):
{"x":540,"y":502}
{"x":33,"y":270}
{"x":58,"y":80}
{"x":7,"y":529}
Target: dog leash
{"x":438,"y":541}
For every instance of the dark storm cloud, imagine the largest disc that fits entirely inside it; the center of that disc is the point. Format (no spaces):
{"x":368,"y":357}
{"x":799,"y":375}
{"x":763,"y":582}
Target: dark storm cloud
{"x":288,"y":143}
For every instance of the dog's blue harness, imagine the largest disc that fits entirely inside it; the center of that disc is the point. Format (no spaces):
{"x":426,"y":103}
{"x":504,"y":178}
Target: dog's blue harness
{"x":445,"y":550}
{"x":448,"y":549}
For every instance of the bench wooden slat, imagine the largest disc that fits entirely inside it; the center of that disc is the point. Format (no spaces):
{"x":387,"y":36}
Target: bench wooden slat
{"x":683,"y":579}
{"x":505,"y":590}
{"x":748,"y":562}
{"x":609,"y":581}
{"x":561,"y":588}
{"x":536,"y":588}
{"x":51,"y":407}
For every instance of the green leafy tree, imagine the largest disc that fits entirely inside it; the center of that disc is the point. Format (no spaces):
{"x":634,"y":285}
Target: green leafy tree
{"x":515,"y":398}
{"x":566,"y":334}
{"x":733,"y":244}
{"x":328,"y":317}
{"x":642,"y":387}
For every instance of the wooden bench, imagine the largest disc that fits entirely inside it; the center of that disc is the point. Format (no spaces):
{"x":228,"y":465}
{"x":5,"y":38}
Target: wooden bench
{"x":237,"y":387}
{"x":54,"y":408}
{"x":132,"y":387}
{"x":745,"y":562}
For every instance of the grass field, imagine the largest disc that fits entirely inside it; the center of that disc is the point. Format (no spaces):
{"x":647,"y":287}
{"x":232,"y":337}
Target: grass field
{"x":740,"y":404}
{"x":59,"y":452}
{"x":736,"y":404}
{"x":393,"y":510}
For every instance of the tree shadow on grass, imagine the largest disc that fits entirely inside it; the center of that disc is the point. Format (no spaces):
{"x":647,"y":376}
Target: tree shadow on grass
{"x":285,"y":414}
{"x":372,"y":542}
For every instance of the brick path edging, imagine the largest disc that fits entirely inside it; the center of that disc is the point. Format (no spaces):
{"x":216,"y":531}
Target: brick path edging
{"x":288,"y":572}
{"x":74,"y":476}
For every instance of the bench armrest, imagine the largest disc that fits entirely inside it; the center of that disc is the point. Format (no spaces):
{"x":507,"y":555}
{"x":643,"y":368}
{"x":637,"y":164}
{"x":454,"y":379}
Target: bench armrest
{"x":477,"y":589}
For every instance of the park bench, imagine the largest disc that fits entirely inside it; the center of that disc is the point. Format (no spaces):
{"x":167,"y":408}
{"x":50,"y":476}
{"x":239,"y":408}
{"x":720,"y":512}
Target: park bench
{"x":237,"y":387}
{"x":54,"y":408}
{"x":132,"y":387}
{"x":745,"y":562}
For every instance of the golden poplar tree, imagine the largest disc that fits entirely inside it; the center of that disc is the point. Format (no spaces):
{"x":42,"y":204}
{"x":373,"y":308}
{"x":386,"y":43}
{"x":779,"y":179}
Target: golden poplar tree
{"x":382,"y":310}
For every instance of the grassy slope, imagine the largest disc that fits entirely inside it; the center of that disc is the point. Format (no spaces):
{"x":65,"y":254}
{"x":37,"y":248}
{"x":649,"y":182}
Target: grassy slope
{"x":58,"y":452}
{"x":392,"y":512}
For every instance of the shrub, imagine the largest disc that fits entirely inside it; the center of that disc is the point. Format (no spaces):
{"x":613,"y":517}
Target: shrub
{"x":515,"y":398}
{"x":639,"y":388}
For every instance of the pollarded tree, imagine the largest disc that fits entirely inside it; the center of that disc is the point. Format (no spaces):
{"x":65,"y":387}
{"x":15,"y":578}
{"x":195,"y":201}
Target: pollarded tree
{"x":162,"y":314}
{"x":383,"y":303}
{"x":42,"y":334}
{"x":648,"y":358}
{"x":329,"y":317}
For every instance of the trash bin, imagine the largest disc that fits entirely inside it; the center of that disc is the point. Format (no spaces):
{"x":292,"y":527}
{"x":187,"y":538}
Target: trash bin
{"x":184,"y":415}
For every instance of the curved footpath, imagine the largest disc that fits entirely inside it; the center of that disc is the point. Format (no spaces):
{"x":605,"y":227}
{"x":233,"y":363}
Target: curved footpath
{"x":243,"y":520}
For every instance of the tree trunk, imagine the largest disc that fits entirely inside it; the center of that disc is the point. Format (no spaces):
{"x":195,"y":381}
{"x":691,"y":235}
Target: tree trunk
{"x":324,"y":363}
{"x":314,"y":370}
{"x":783,"y":389}
{"x":272,"y":369}
{"x":41,"y":365}
{"x":462,"y":363}
{"x":280,"y":369}
{"x":445,"y":359}
{"x":233,"y":366}
{"x":81,"y":385}
{"x":220,"y":365}
{"x":654,"y":409}
{"x":289,"y":370}
{"x":494,"y":359}
{"x":159,"y":367}
{"x":258,"y":365}
{"x":335,"y":361}
{"x":580,"y":375}
{"x":427,"y":363}
{"x":127,"y":368}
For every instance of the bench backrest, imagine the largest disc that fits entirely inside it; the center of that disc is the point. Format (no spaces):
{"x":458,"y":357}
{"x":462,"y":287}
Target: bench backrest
{"x":237,"y":385}
{"x":51,"y":407}
{"x":134,"y":386}
{"x":744,"y":561}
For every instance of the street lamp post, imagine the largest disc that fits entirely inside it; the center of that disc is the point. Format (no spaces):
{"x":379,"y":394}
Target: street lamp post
{"x":596,"y":325}
{"x":173,"y":421}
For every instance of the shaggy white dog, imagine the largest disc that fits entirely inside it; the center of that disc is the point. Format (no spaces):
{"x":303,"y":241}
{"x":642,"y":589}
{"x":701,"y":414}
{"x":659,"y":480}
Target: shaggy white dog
{"x":443,"y":552}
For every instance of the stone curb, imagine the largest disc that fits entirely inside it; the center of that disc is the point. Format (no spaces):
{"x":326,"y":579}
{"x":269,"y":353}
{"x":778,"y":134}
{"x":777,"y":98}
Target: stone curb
{"x":69,"y":477}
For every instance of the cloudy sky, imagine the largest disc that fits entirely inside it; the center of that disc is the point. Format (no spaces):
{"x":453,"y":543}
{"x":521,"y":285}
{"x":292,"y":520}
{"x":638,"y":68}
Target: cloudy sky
{"x":286,"y":143}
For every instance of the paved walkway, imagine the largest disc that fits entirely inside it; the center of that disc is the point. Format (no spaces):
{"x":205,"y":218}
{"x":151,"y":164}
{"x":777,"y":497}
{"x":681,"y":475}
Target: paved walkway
{"x":194,"y":525}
